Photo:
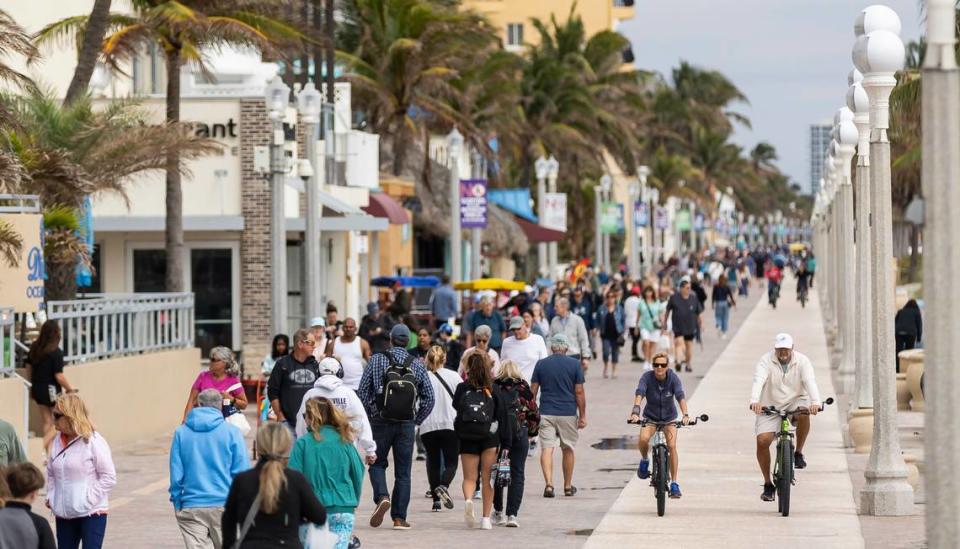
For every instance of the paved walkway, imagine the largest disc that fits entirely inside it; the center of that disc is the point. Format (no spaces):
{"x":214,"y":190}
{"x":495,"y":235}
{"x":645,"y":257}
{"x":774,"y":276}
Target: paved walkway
{"x":721,"y":506}
{"x":141,"y":516}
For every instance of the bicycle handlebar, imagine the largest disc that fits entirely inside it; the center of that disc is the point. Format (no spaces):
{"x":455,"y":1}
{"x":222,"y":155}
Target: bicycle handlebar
{"x":644,"y":422}
{"x":771,"y":410}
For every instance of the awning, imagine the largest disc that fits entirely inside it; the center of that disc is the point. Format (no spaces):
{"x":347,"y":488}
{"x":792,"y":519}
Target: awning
{"x":536,"y":234}
{"x":382,"y":205}
{"x":515,"y":201}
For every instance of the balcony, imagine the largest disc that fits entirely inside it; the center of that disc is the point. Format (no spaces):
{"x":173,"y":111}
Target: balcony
{"x":623,"y":9}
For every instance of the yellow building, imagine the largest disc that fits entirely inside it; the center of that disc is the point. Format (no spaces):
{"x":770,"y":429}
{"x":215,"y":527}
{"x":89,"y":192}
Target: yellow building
{"x":512,"y":17}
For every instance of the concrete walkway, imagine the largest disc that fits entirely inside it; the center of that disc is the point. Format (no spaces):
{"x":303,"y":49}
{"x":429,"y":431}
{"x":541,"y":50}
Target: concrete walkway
{"x":721,"y":482}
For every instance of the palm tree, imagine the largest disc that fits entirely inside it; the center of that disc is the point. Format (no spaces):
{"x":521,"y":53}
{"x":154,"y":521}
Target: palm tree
{"x":763,"y":156}
{"x":89,"y":50}
{"x":11,"y":244}
{"x":71,"y":152}
{"x":403,"y":58}
{"x":182,"y":30}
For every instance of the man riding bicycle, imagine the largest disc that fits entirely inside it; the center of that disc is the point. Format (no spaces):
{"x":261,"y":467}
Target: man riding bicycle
{"x":783,"y":379}
{"x":773,"y":275}
{"x":661,"y":389}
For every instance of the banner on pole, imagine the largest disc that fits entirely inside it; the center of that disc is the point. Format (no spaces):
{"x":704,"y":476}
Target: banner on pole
{"x":555,"y":211}
{"x":682,"y":220}
{"x":660,"y":219}
{"x":698,"y":222}
{"x":473,"y":203}
{"x":611,"y":218}
{"x":641,"y":214}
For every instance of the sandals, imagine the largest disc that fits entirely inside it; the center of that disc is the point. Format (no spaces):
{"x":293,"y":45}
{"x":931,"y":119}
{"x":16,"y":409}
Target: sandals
{"x":569,"y":492}
{"x":548,"y":491}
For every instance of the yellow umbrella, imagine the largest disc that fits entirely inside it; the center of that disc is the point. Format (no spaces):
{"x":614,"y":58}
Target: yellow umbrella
{"x":797,"y":246}
{"x":490,"y":284}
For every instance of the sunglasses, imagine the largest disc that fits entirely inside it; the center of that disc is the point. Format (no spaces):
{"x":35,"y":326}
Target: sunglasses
{"x":309,"y":342}
{"x":482,"y":340}
{"x":660,"y":365}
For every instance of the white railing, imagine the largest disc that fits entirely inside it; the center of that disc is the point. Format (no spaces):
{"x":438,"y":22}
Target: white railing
{"x":8,"y":349}
{"x":115,"y":325}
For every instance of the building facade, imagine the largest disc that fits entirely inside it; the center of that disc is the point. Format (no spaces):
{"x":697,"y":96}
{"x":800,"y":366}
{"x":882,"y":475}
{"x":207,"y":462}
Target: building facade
{"x":819,"y":141}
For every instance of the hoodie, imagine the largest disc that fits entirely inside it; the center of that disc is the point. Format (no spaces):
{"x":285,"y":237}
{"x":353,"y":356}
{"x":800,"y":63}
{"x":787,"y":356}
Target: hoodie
{"x":206,"y":454}
{"x":346,"y":399}
{"x":333,"y":468}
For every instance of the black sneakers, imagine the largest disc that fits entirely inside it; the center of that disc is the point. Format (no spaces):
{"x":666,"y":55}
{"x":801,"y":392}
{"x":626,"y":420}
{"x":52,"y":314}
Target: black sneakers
{"x":769,"y":491}
{"x":798,"y":461}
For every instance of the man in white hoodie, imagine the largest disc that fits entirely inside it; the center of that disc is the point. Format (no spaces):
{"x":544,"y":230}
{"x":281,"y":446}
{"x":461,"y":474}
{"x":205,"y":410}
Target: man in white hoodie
{"x":783,"y":379}
{"x":330,"y":385}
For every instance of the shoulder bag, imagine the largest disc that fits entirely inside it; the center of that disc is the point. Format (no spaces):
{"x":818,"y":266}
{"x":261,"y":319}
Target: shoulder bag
{"x":248,"y":521}
{"x":444,"y":383}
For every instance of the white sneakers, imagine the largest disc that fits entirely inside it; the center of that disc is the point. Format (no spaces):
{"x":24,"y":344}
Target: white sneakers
{"x":498,"y":518}
{"x":468,"y":515}
{"x":486,"y":524}
{"x":512,"y":522}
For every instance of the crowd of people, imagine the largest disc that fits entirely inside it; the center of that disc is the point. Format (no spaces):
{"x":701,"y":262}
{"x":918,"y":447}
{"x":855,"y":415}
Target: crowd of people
{"x":346,"y":399}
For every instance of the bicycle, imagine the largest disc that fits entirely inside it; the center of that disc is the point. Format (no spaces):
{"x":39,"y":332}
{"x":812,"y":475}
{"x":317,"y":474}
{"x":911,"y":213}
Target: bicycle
{"x":783,"y":471}
{"x":803,"y":296}
{"x":660,"y":462}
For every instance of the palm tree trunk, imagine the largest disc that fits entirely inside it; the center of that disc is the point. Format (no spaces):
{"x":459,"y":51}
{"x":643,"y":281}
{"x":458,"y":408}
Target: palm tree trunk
{"x":61,"y":280}
{"x":174,"y":224}
{"x":89,"y":51}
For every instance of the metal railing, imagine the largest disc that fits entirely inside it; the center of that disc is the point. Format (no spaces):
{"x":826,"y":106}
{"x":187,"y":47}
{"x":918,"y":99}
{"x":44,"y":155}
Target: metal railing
{"x":115,"y":325}
{"x":8,"y":353}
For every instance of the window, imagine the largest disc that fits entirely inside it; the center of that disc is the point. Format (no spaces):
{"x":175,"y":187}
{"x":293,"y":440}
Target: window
{"x":149,"y":270}
{"x":514,"y":34}
{"x":211,"y":280}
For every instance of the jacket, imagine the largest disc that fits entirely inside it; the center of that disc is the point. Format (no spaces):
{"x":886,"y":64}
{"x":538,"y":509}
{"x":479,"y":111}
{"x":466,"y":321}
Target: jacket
{"x":297,"y":505}
{"x":909,"y":322}
{"x":80,"y":475}
{"x":332,"y":467}
{"x":346,"y":399}
{"x":773,"y":387}
{"x":575,"y":330}
{"x":442,"y":416}
{"x":443,"y":303}
{"x":617,"y":319}
{"x":21,"y":528}
{"x":206,"y":453}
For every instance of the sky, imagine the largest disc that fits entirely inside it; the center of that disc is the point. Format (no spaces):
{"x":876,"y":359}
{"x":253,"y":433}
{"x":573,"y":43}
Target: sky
{"x":790,"y":58}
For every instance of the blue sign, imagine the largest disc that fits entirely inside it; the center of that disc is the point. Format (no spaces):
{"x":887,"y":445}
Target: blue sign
{"x":698,"y":222}
{"x":661,"y":220}
{"x":641,"y":214}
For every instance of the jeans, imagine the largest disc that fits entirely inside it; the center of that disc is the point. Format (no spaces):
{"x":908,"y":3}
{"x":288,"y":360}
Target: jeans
{"x":200,"y":527}
{"x":398,"y":437}
{"x":721,"y":310}
{"x":89,"y":530}
{"x":518,"y":460}
{"x":443,"y":450}
{"x":611,"y":350}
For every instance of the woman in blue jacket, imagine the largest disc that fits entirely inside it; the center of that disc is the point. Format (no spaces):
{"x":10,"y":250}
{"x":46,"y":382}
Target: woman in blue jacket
{"x":610,"y":321}
{"x":328,"y":458}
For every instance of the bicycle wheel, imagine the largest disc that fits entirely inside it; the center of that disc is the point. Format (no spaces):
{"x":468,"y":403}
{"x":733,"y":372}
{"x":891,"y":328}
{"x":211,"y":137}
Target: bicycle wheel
{"x":786,"y":475}
{"x":660,"y":477}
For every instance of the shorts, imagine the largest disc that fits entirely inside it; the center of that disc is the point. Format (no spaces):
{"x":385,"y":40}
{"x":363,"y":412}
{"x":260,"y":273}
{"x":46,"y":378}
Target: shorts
{"x":611,"y":351}
{"x":476,"y":447}
{"x":652,"y":336}
{"x":771,"y":424}
{"x":558,"y":431}
{"x":686,"y":337}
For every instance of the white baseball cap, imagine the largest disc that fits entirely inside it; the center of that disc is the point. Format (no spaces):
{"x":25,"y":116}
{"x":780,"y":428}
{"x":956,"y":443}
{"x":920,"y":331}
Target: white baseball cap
{"x":783,"y":341}
{"x":318,"y":321}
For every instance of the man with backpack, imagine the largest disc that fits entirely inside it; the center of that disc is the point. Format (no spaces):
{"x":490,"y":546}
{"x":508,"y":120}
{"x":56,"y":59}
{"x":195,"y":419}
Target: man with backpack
{"x":397,"y":396}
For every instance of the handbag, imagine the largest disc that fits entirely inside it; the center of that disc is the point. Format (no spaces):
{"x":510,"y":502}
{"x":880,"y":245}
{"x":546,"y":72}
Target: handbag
{"x":239,"y":421}
{"x":314,"y":536}
{"x":502,"y":470}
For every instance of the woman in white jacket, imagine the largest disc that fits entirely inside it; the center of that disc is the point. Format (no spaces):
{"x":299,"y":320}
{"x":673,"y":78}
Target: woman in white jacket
{"x":80,"y":475}
{"x":330,"y":385}
{"x":436,"y":431}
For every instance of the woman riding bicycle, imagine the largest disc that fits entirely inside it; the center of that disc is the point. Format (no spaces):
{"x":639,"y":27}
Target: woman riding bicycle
{"x":661,"y":389}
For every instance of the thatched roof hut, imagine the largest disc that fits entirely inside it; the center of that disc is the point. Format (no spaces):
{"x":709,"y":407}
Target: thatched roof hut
{"x":431,"y":208}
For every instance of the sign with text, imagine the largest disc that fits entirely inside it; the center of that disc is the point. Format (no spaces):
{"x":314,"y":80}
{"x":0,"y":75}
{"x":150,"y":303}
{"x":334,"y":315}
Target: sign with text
{"x":473,"y":203}
{"x":698,"y":222}
{"x":555,"y":211}
{"x":660,"y":219}
{"x":682,"y":220}
{"x":641,"y":214}
{"x":611,"y":218}
{"x":21,"y":287}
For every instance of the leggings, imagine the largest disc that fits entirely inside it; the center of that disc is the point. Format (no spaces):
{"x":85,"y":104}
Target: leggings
{"x":443,"y":450}
{"x":89,"y":530}
{"x":341,"y":524}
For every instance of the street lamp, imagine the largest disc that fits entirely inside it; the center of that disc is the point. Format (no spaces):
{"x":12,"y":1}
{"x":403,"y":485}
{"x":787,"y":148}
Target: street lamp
{"x":847,"y":136}
{"x":454,"y":148}
{"x":553,"y":171}
{"x":606,"y":183}
{"x":637,"y":190}
{"x":542,"y":167}
{"x":879,"y":54}
{"x":308,"y":107}
{"x":941,"y":171}
{"x":276,"y":99}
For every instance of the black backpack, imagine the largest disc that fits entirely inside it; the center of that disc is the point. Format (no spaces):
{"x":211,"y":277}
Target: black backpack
{"x":475,"y":414}
{"x":398,"y":397}
{"x":510,"y":396}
